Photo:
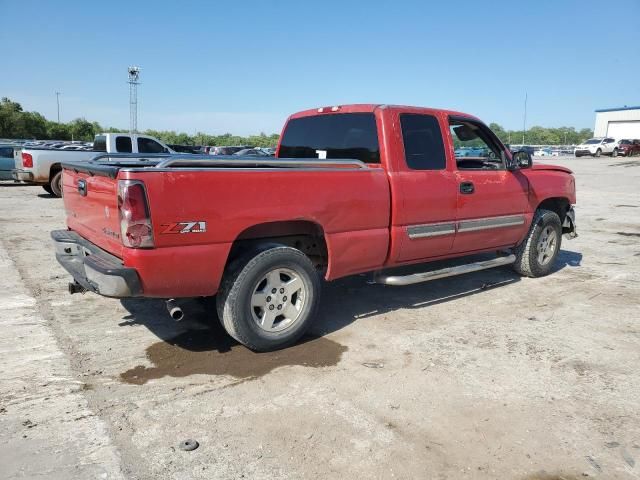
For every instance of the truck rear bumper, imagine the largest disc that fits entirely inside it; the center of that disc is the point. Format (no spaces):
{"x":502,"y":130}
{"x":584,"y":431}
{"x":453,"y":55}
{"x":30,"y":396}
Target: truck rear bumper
{"x":22,"y":175}
{"x":93,"y":268}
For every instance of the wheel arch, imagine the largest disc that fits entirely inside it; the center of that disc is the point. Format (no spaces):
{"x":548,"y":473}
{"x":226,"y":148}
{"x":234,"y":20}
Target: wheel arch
{"x":305,"y":235}
{"x":559,"y":205}
{"x":54,"y":169}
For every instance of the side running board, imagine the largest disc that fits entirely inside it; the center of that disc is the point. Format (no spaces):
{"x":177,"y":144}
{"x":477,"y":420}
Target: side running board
{"x":401,"y":280}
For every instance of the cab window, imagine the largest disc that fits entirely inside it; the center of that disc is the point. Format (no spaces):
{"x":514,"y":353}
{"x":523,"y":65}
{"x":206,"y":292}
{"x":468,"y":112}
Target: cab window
{"x":123,"y":145}
{"x":475,"y":146}
{"x":332,"y":136}
{"x":146,"y":145}
{"x":423,"y":145}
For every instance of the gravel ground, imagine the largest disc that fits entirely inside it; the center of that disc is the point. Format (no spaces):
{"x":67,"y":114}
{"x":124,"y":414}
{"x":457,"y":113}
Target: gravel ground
{"x":484,"y":376}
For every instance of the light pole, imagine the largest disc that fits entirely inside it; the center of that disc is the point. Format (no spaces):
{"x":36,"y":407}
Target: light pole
{"x":524,"y":121}
{"x":58,"y":103}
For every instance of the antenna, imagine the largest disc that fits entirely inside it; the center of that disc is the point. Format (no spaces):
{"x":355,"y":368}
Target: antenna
{"x":134,"y":75}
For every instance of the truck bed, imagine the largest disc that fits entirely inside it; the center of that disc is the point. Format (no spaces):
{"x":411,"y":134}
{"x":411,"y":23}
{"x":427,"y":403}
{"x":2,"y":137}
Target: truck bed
{"x":347,"y":200}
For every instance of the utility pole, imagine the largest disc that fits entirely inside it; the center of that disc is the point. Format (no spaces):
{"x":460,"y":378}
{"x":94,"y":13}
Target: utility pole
{"x":134,"y":75}
{"x":58,"y":103}
{"x":524,"y":121}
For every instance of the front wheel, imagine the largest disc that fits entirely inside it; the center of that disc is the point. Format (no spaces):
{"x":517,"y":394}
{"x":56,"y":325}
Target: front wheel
{"x":598,"y":152}
{"x":536,"y":255}
{"x":268,"y":299}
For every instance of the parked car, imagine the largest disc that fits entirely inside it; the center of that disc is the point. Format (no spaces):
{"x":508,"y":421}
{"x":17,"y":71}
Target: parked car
{"x":597,"y":146}
{"x":43,"y":166}
{"x":346,"y":195}
{"x":629,"y":148}
{"x":251,"y":152}
{"x":6,"y":161}
{"x":226,"y":150}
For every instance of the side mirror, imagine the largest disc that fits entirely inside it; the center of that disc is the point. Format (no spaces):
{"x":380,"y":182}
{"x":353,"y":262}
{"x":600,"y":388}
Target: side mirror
{"x":520,"y":160}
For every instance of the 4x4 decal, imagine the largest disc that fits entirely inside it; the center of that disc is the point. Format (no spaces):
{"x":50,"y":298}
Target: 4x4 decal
{"x":185,"y":227}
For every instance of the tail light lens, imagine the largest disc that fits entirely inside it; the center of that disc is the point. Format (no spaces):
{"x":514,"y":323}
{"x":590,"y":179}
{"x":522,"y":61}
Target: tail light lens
{"x":135,"y":221}
{"x":27,"y":160}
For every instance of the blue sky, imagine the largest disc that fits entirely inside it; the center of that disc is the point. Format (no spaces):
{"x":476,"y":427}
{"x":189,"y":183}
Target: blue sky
{"x":243,"y":66}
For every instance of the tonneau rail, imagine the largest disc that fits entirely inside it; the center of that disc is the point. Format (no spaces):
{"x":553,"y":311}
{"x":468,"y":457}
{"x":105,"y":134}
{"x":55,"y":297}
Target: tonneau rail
{"x":104,"y":165}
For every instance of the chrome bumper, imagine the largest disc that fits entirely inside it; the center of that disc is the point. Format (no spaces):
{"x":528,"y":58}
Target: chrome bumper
{"x":93,"y":268}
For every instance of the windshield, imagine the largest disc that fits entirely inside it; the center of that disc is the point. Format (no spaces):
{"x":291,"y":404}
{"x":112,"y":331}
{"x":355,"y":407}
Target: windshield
{"x":335,"y":135}
{"x":592,"y":141}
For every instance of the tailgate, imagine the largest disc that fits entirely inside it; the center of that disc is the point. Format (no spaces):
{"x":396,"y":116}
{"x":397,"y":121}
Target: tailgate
{"x":93,"y":215}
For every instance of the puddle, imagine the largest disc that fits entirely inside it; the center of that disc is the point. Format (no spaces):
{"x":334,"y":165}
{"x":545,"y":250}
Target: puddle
{"x":202,"y":352}
{"x":628,"y":234}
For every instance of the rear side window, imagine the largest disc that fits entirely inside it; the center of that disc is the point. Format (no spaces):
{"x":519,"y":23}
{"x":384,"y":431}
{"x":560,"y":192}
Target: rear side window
{"x":423,"y":145}
{"x":100,"y":143}
{"x":6,"y":152}
{"x":123,"y":145}
{"x":337,"y":135}
{"x":146,"y":145}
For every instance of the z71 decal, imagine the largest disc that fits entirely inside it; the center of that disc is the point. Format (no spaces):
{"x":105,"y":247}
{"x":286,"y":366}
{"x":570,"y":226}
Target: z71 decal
{"x":185,"y":227}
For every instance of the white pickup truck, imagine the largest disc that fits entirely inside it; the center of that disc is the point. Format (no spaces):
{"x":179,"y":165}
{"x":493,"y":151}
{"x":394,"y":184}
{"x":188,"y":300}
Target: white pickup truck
{"x":42,"y":166}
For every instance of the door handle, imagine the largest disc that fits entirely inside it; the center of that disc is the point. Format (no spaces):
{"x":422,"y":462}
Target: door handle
{"x":467,"y":188}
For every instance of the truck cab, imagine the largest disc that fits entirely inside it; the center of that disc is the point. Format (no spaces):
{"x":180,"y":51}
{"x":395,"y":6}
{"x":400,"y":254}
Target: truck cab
{"x":128,"y":143}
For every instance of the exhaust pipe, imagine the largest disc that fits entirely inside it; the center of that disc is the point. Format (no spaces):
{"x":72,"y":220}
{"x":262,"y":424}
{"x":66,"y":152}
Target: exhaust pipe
{"x":174,"y":310}
{"x":75,"y":287}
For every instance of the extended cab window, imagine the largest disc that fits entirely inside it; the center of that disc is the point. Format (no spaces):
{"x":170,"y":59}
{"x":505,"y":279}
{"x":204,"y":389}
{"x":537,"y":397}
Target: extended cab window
{"x":123,"y":145}
{"x":100,"y":143}
{"x":475,"y":146}
{"x":146,"y":145}
{"x":423,"y":145}
{"x":333,"y":135}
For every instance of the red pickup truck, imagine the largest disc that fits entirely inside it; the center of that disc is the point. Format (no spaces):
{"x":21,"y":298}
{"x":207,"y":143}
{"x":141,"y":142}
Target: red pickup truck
{"x":352,"y":189}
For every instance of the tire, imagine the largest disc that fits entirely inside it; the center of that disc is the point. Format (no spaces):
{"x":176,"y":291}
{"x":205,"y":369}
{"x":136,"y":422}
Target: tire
{"x":546,"y":232}
{"x":56,"y":184}
{"x":598,"y":152}
{"x":614,"y":154}
{"x":578,"y":155}
{"x":255,"y":289}
{"x":48,"y":189}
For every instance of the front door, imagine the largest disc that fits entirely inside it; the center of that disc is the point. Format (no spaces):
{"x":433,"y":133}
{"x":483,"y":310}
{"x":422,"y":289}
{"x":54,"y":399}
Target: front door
{"x":491,"y":200}
{"x":424,"y":191}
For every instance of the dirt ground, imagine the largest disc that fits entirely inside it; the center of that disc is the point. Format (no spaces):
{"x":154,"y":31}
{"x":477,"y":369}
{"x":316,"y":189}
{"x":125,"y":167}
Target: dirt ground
{"x":487,"y":376}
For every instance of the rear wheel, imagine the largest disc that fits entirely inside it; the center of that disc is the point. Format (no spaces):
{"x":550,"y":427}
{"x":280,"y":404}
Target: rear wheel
{"x":614,"y":153}
{"x":268,"y":299}
{"x":56,"y":184}
{"x":578,"y":155}
{"x":536,"y":255}
{"x":48,"y":189}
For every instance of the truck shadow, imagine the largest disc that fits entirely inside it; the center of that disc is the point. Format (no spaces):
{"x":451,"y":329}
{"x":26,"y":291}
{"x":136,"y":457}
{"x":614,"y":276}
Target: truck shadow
{"x":344,"y":302}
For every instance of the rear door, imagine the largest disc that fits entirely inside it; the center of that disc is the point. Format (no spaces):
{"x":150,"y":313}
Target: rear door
{"x":91,"y":203}
{"x":492,"y":202}
{"x":424,"y":190}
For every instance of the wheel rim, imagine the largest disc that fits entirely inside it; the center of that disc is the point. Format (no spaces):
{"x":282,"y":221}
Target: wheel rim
{"x":547,"y":245}
{"x":278,"y":300}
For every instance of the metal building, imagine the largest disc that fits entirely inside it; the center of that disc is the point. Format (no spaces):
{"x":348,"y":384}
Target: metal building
{"x":619,"y":123}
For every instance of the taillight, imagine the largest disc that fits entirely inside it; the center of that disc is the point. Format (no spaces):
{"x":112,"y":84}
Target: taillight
{"x":135,"y":221}
{"x":27,"y":160}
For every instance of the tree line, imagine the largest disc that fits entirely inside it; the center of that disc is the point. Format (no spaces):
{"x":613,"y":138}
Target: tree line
{"x":17,"y":124}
